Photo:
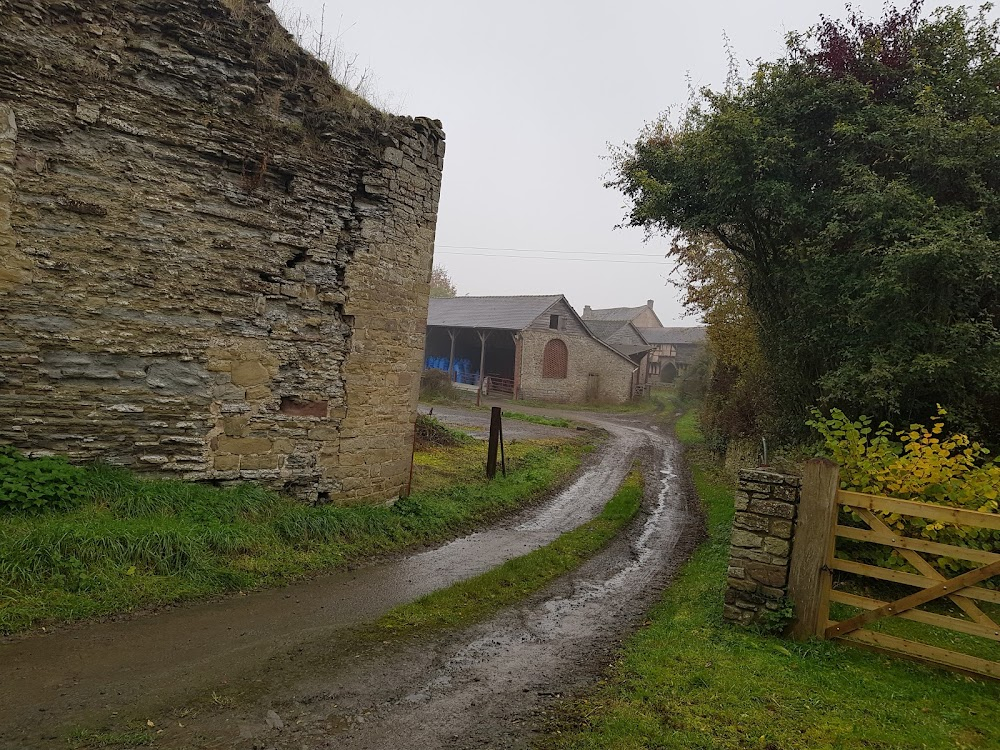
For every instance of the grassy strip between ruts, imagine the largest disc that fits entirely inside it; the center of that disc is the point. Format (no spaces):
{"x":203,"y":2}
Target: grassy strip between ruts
{"x":136,"y":543}
{"x":688,"y":681}
{"x":477,"y":598}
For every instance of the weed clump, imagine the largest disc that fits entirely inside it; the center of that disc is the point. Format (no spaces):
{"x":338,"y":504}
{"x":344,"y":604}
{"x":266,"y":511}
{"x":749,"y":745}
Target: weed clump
{"x":432,"y":432}
{"x":36,"y":484}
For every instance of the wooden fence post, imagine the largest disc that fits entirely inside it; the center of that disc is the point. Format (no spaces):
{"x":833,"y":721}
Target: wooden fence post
{"x":491,"y":449}
{"x":809,"y":578}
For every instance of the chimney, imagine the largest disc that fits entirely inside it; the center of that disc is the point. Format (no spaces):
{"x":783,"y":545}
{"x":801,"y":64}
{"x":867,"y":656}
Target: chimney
{"x":586,"y":310}
{"x":649,"y":304}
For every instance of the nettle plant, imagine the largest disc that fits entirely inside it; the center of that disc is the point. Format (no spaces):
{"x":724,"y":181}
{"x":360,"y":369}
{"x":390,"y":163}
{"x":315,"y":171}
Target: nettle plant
{"x":922,"y":463}
{"x":35,"y":484}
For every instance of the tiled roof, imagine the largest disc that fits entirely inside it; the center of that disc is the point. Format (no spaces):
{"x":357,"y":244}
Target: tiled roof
{"x":690,"y":335}
{"x":625,"y":314}
{"x":503,"y":313}
{"x":604,"y":329}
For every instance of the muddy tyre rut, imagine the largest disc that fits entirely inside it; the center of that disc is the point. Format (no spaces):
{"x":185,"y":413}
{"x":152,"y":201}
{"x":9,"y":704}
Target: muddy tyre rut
{"x":296,"y":677}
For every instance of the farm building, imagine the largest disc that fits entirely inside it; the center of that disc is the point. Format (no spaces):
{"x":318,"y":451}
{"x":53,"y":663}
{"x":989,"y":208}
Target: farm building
{"x":671,"y":348}
{"x":675,"y":349}
{"x":533,"y":347}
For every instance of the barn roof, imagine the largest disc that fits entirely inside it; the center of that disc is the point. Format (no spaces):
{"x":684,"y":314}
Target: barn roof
{"x":604,"y":329}
{"x":624,"y":314}
{"x":689,"y":335}
{"x":514,"y":313}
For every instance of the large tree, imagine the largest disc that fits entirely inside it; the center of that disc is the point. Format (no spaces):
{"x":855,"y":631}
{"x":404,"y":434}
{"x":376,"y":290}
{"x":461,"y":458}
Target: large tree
{"x":855,"y":185}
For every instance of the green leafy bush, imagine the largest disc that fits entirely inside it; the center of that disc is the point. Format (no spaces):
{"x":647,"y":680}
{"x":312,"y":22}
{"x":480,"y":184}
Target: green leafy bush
{"x":35,"y":484}
{"x":926,"y":464}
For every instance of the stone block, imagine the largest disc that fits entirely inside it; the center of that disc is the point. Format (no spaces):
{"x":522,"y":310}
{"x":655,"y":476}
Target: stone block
{"x":769,"y":575}
{"x":752,"y":522}
{"x":772,"y":508}
{"x":743,"y":538}
{"x":777,"y":547}
{"x":782,"y":529}
{"x":236,"y":426}
{"x":741,"y":500}
{"x":260,"y":462}
{"x":249,"y":373}
{"x":742,"y":584}
{"x":227,"y":463}
{"x":243,"y":445}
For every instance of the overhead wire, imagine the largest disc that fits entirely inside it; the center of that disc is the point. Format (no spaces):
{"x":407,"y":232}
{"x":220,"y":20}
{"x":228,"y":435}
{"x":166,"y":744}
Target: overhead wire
{"x":559,"y":255}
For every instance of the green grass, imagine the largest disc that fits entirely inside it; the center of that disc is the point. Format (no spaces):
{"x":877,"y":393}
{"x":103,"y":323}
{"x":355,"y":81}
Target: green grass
{"x":86,"y":739}
{"x":538,"y":419}
{"x":477,"y":598}
{"x":688,"y":681}
{"x":137,"y":543}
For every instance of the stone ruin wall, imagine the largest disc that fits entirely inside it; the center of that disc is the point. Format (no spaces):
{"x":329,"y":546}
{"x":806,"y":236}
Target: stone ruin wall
{"x":214,"y":262}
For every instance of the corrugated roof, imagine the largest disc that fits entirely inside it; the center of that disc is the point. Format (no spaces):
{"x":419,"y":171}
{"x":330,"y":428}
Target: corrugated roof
{"x":624,"y":314}
{"x":513,"y":313}
{"x":690,"y":335}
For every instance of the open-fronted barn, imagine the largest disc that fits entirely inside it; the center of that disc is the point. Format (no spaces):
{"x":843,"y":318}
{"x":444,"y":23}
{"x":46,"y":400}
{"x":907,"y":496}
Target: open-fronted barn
{"x":533,"y":347}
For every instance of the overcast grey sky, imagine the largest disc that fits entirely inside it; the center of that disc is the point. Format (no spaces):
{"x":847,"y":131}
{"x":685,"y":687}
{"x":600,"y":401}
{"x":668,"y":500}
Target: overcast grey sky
{"x":530,"y":94}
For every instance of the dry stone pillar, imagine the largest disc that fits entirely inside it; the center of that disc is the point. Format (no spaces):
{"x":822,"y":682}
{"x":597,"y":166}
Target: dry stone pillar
{"x":760,"y":551}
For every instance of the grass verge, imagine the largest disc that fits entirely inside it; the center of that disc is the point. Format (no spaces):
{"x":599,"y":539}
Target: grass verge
{"x":538,"y":419}
{"x":477,"y":598}
{"x":688,"y":681}
{"x":136,"y":543}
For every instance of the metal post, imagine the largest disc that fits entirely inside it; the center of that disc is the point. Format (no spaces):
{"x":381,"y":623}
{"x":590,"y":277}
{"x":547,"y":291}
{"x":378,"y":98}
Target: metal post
{"x":482,"y":364}
{"x":491,"y":452}
{"x":451,"y":355}
{"x":517,"y":366}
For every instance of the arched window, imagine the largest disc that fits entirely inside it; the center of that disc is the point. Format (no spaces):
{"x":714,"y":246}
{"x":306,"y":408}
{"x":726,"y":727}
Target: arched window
{"x":554,"y":359}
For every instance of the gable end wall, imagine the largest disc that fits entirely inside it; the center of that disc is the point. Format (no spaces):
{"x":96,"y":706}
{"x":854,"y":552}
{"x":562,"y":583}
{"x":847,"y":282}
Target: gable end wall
{"x":586,"y":357}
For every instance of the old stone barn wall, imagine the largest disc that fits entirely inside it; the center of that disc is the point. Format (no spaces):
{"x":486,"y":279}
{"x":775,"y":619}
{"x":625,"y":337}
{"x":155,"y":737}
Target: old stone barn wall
{"x":214,"y":261}
{"x":593,"y":371}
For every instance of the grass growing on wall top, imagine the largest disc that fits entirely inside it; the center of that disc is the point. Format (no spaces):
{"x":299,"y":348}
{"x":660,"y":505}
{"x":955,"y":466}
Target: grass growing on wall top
{"x":135,"y":542}
{"x":690,"y":682}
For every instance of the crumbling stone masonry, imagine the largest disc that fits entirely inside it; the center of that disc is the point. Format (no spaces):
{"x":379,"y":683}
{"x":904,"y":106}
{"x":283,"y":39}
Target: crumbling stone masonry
{"x":214,"y":261}
{"x":760,"y":552}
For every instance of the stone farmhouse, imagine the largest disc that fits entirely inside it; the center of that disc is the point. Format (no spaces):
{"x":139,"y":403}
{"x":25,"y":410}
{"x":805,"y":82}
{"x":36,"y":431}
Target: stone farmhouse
{"x":671,"y":348}
{"x":533,"y":347}
{"x":214,"y":260}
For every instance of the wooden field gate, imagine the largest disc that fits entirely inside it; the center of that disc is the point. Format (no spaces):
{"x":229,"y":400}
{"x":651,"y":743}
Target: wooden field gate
{"x":814,"y":561}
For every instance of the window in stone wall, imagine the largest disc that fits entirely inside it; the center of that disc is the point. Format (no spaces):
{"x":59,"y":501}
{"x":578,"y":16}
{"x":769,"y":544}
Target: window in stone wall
{"x":555,"y":358}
